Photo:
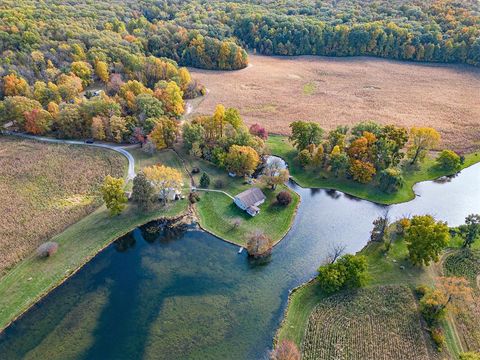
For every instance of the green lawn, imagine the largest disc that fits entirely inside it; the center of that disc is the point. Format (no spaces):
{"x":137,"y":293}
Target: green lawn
{"x":216,"y":211}
{"x":280,"y":146}
{"x":32,"y":278}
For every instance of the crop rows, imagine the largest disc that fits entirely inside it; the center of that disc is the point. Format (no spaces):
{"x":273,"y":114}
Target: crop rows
{"x":373,"y":323}
{"x":44,"y":188}
{"x":463,"y":263}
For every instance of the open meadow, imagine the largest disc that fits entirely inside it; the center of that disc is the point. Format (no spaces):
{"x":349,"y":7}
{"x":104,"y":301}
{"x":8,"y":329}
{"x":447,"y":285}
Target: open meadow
{"x":44,"y":188}
{"x":276,"y":91}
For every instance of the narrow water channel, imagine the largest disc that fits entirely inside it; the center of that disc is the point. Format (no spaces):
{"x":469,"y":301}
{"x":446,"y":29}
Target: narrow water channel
{"x":191,"y":296}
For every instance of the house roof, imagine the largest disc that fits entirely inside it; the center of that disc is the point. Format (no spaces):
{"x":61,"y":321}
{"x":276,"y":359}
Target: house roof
{"x":251,"y":196}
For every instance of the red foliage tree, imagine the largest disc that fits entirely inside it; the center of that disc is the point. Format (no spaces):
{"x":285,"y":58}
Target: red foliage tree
{"x":258,"y":130}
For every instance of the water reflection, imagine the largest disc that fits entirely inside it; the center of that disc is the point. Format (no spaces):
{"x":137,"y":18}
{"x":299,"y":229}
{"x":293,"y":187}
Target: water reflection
{"x":165,"y":294}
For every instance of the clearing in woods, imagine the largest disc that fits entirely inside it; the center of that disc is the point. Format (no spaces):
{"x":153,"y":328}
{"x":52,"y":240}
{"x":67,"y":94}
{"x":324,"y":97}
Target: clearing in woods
{"x":44,"y":188}
{"x":276,"y":91}
{"x":382,"y":321}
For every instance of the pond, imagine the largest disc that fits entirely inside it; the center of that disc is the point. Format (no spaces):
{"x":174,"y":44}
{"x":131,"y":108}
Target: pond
{"x":189,"y":295}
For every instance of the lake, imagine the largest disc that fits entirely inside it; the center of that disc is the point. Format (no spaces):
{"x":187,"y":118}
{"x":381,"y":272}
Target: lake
{"x":188,"y":295}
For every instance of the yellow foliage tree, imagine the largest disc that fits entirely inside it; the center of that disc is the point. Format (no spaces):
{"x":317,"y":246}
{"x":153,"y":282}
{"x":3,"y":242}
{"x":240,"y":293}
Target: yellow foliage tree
{"x":164,"y":179}
{"x":164,"y":133}
{"x":421,"y":140}
{"x":98,"y":129}
{"x":113,"y":194}
{"x":242,"y":160}
{"x":101,"y":70}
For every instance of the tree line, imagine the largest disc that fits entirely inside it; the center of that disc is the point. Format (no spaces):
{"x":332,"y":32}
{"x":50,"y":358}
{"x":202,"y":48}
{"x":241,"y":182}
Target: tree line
{"x":368,"y":152}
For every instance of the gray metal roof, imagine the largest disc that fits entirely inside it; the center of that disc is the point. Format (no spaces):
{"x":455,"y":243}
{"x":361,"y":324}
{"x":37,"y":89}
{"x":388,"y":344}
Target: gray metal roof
{"x":251,"y":196}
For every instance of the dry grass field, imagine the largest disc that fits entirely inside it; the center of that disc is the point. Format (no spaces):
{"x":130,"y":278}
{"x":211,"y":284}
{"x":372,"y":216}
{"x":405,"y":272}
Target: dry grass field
{"x":372,"y":323}
{"x":275,"y":91}
{"x":44,"y":188}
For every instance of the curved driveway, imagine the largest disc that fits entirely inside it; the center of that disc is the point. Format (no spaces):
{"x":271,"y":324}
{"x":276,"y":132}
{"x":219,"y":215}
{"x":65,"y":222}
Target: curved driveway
{"x":130,"y":158}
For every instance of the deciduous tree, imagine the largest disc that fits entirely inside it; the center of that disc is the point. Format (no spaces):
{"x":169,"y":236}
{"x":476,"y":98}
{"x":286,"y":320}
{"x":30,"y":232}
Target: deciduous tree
{"x":113,"y":194}
{"x":421,"y":140}
{"x":242,"y":160}
{"x":143,"y":191}
{"x":305,"y":133}
{"x":164,"y":179}
{"x":425,"y":239}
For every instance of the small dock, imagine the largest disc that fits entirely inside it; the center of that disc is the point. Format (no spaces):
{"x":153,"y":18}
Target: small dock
{"x":240,"y":250}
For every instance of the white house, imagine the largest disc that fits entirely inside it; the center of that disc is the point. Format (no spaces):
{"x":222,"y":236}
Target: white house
{"x":250,"y":200}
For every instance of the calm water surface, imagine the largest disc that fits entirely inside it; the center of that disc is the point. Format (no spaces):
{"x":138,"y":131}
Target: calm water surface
{"x":191,"y":296}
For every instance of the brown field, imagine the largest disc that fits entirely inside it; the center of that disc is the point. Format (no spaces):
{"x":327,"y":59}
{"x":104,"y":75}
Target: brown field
{"x":44,"y":188}
{"x":332,"y":91}
{"x":372,"y":323}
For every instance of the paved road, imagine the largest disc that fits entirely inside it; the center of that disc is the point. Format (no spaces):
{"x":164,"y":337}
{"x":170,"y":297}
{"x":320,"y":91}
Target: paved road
{"x":130,"y":158}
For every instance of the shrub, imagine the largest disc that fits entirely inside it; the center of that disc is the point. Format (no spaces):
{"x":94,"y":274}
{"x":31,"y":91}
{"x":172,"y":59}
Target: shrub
{"x":449,"y":160}
{"x":286,"y":350}
{"x":193,"y":197}
{"x":284,"y":198}
{"x":421,"y":290}
{"x":219,"y":184}
{"x":348,"y":271}
{"x":47,"y":249}
{"x":470,"y":356}
{"x":259,"y":245}
{"x":205,"y":181}
{"x":391,"y":180}
{"x":438,"y":337}
{"x":304,"y":157}
{"x":432,"y":306}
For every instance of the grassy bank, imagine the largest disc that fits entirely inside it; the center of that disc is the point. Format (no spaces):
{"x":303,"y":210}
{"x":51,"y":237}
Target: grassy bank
{"x":280,"y":146}
{"x":32,"y":278}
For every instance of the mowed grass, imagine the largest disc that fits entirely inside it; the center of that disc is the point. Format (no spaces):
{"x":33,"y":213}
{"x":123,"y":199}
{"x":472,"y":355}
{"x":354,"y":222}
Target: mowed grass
{"x":317,"y":178}
{"x":216,"y":211}
{"x":32,"y":278}
{"x":44,"y":188}
{"x":382,"y":321}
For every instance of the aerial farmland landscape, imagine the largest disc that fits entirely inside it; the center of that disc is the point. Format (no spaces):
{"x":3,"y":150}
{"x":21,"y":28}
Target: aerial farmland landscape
{"x":238,"y":179}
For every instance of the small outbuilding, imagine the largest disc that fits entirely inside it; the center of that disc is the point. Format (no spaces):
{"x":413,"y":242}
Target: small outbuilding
{"x":250,"y":200}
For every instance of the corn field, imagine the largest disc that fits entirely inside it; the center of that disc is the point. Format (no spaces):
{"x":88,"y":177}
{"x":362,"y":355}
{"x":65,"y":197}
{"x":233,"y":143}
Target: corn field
{"x":380,"y":323}
{"x":44,"y":188}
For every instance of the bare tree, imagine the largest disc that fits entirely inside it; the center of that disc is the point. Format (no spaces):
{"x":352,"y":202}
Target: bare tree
{"x":334,"y":252}
{"x":236,"y":222}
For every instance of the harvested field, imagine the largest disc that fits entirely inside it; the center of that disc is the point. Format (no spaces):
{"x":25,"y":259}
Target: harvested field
{"x":44,"y":188}
{"x":275,"y":91}
{"x":379,"y":322}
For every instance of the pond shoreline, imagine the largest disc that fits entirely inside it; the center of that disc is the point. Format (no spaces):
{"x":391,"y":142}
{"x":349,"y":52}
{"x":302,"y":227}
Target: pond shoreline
{"x":190,"y":211}
{"x":85,"y":261}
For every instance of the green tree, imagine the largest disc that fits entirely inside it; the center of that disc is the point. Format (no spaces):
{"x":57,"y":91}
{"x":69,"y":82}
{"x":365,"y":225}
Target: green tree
{"x":391,"y":180}
{"x":425,"y":239}
{"x":113,"y":194}
{"x":205,"y":180}
{"x":470,"y":231}
{"x":143,"y":191}
{"x":347,"y":271}
{"x":449,"y":160}
{"x":305,"y":133}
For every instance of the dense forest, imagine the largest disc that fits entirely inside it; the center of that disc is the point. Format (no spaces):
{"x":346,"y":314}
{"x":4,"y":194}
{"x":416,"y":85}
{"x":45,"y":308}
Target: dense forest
{"x":38,"y":35}
{"x":55,"y":52}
